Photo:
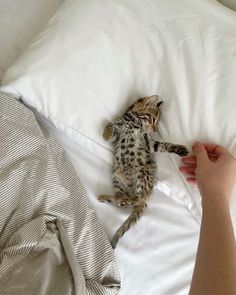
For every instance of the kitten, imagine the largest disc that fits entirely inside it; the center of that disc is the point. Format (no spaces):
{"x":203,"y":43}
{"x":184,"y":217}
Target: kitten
{"x":134,"y":142}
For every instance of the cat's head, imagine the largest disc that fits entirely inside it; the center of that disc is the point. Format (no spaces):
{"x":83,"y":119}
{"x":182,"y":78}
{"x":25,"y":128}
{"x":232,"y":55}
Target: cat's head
{"x":147,"y":110}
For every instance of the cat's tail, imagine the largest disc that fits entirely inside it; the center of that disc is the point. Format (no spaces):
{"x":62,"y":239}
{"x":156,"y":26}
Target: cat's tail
{"x":131,"y":220}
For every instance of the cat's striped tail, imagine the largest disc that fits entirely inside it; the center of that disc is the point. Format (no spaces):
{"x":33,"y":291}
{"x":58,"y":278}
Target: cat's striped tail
{"x":131,"y":220}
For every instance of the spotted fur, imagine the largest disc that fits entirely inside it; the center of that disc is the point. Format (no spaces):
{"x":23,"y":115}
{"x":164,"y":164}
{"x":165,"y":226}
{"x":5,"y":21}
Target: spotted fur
{"x":134,"y":167}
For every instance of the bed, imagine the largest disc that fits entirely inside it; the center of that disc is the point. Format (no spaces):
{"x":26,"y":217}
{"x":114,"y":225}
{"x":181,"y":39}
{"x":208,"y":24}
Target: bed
{"x":157,"y":256}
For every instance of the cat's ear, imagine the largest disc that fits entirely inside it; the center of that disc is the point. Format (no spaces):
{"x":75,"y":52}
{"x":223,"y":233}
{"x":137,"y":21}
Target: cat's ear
{"x":153,"y":100}
{"x":159,"y":103}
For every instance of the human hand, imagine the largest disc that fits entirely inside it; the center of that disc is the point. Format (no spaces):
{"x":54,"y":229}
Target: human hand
{"x":213,"y":169}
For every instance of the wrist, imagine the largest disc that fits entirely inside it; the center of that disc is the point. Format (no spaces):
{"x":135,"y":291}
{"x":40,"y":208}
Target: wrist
{"x":215,"y":202}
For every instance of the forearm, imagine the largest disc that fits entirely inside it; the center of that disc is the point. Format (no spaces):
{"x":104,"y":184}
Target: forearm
{"x":215,"y":268}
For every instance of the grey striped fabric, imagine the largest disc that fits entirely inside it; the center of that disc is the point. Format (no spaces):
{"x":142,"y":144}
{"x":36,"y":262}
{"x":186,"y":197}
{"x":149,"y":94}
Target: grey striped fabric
{"x":51,"y":241}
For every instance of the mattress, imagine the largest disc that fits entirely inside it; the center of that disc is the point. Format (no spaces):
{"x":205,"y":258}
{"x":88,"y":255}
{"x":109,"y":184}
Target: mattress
{"x":156,"y":257}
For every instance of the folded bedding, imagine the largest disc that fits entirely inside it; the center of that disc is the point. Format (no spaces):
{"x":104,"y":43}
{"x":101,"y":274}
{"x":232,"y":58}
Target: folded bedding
{"x":96,"y":57}
{"x":50,"y":238}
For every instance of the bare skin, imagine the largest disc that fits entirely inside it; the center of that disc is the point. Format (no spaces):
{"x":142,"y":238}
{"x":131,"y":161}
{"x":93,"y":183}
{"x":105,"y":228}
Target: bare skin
{"x":213,"y":169}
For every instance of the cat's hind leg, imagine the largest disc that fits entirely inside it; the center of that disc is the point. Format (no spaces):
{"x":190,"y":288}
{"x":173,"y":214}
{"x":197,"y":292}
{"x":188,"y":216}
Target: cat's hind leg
{"x":121,"y":196}
{"x":123,"y":189}
{"x":105,"y":198}
{"x":121,"y":201}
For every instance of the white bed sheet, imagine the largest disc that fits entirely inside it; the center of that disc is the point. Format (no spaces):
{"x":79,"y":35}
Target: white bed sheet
{"x":157,"y":256}
{"x":20,"y":22}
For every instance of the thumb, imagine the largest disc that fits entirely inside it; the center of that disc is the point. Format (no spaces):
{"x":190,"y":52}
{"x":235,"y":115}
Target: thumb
{"x":200,"y":152}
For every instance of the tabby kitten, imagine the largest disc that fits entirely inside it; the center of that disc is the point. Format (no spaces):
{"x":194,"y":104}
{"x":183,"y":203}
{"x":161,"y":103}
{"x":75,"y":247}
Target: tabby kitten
{"x":134,"y":141}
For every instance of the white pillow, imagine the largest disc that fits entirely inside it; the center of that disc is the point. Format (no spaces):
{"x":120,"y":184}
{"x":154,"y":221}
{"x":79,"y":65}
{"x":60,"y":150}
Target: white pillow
{"x":20,"y":22}
{"x":96,"y":57}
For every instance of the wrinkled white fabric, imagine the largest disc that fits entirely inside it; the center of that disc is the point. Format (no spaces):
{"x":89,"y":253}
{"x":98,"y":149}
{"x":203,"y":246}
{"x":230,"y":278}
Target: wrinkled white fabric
{"x":96,"y":57}
{"x":155,"y":257}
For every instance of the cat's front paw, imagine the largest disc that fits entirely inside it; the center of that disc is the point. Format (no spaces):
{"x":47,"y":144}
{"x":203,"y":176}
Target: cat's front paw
{"x":108,"y":131}
{"x":181,"y":150}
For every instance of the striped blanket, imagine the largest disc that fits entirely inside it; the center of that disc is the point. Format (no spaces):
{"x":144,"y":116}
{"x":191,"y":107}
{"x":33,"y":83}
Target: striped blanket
{"x":51,"y":242}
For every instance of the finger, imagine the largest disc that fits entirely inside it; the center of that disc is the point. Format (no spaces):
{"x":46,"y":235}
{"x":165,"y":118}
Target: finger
{"x":191,"y":180}
{"x":188,"y":170}
{"x":189,"y":160}
{"x":222,"y":154}
{"x":215,"y":149}
{"x":213,"y":158}
{"x":200,"y":153}
{"x":192,"y":160}
{"x":210,"y":147}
